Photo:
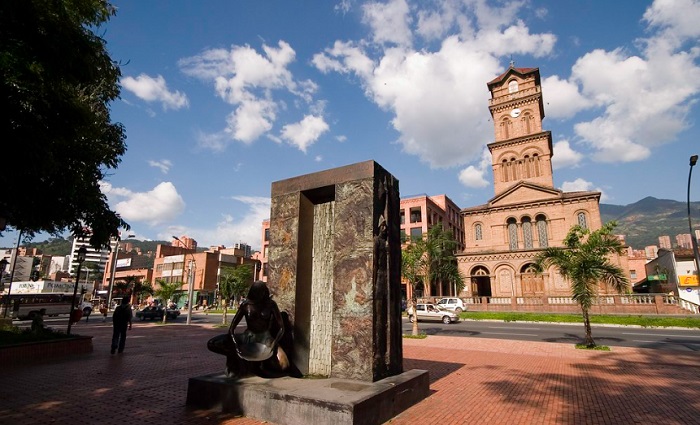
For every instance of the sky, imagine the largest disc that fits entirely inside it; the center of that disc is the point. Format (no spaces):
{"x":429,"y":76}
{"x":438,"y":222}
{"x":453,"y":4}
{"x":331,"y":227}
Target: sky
{"x":222,"y":98}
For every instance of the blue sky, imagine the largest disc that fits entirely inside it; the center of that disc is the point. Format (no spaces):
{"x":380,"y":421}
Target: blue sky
{"x":221,"y":98}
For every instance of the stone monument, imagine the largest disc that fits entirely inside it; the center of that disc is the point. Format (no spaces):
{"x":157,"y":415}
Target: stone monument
{"x":334,"y":266}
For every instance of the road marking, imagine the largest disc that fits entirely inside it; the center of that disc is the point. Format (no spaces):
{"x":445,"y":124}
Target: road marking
{"x":671,"y":336}
{"x":508,"y":333}
{"x":667,"y":342}
{"x":514,"y":327}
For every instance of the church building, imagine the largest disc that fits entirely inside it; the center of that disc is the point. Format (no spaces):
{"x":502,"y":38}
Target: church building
{"x":527,"y":213}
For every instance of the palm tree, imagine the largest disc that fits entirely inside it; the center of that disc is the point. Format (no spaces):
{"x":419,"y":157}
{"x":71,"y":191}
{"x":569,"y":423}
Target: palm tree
{"x":412,"y":270}
{"x":431,"y":260}
{"x":141,"y":289}
{"x":585,"y":262}
{"x":234,"y":282}
{"x":165,"y":292}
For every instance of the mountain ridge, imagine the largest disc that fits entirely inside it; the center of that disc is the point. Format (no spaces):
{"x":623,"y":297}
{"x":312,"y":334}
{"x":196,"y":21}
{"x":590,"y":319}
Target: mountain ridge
{"x":642,"y":222}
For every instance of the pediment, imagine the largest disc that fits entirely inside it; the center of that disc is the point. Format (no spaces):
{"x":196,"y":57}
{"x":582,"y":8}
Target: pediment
{"x":524,"y":192}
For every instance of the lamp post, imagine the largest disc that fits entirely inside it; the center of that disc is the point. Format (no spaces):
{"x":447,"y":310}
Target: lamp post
{"x":113,"y":269}
{"x":693,"y":239}
{"x":190,"y":283}
{"x":81,"y":257}
{"x":12,"y":273}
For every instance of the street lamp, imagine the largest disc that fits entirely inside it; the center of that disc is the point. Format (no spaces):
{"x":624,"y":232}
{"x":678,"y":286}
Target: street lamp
{"x":12,"y":273}
{"x":693,"y":239}
{"x":81,"y":257}
{"x":190,"y":282}
{"x":112,"y":271}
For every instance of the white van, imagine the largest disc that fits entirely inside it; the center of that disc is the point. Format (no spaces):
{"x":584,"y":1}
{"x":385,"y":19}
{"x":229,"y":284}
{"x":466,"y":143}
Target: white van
{"x":452,"y":304}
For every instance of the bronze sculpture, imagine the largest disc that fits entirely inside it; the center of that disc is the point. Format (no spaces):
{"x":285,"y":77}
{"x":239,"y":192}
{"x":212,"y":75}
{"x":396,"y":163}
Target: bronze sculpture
{"x":265,"y":347}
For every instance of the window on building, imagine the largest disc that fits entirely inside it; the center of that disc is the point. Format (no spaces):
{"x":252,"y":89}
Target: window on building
{"x":582,"y":220}
{"x":416,"y":233}
{"x":527,"y":232}
{"x":633,"y":274}
{"x":264,"y":269}
{"x":267,"y":234}
{"x":415,"y":215}
{"x":512,"y":234}
{"x":513,"y":86}
{"x":402,"y":217}
{"x":541,"y":222}
{"x":478,"y":235}
{"x":265,"y":251}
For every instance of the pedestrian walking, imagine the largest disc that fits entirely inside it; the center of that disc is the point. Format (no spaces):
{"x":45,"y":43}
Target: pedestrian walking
{"x":103,"y":311}
{"x":121,"y":319}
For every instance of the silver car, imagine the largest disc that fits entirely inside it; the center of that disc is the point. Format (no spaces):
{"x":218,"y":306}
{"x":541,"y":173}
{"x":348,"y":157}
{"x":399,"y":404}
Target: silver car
{"x":432,"y":312}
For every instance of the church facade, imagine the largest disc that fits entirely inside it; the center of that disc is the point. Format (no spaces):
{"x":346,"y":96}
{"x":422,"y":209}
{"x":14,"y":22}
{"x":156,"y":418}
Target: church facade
{"x":527,"y":213}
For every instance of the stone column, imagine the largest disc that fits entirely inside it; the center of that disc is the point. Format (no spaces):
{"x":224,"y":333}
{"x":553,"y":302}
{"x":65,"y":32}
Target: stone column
{"x":335,"y":266}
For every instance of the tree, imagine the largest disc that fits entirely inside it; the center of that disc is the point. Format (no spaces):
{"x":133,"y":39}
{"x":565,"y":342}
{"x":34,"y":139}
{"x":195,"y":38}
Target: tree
{"x":56,"y":82}
{"x":165,"y":292}
{"x":412,"y":270}
{"x":234,"y":282}
{"x":141,"y":289}
{"x":585,"y":262}
{"x":430,"y":260}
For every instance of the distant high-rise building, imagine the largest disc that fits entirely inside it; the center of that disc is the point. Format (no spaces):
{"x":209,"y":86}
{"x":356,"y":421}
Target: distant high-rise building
{"x":185,"y":242}
{"x":665,"y":242}
{"x":652,"y":251}
{"x":684,"y":241}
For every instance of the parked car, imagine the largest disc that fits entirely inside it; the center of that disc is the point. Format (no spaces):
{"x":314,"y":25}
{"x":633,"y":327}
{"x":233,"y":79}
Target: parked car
{"x":432,"y":312}
{"x":157,"y":313}
{"x":452,"y":304}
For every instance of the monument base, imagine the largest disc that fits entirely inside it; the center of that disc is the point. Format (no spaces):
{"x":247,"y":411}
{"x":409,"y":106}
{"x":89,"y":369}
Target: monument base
{"x":292,"y":401}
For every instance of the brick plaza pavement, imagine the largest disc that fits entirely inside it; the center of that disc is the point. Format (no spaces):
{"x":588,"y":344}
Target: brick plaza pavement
{"x":472,"y":381}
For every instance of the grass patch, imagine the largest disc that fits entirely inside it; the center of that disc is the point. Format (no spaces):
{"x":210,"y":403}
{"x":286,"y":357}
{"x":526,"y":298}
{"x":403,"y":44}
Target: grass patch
{"x":595,"y":347}
{"x":638,"y":320}
{"x":419,"y":336}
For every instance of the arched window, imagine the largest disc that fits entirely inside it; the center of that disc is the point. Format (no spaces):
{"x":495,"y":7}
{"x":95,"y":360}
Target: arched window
{"x":512,"y":234}
{"x":582,"y":220}
{"x":513,"y":86}
{"x":505,"y":128}
{"x":527,"y":165}
{"x":504,"y":170}
{"x":514,"y":169}
{"x":536,"y":161}
{"x":527,"y":232}
{"x":541,"y":222}
{"x":527,"y":120}
{"x":477,"y":232}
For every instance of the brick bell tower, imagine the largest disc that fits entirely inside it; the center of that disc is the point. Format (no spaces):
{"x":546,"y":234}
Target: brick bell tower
{"x":521,"y":150}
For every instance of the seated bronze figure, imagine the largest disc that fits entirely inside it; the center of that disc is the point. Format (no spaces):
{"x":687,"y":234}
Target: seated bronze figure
{"x":265,"y":347}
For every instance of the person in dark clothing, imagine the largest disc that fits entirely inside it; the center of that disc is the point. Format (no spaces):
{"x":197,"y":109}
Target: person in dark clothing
{"x":121,"y":319}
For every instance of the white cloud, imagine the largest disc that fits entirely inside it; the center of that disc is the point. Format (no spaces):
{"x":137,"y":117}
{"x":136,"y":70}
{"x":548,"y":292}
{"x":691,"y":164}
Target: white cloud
{"x":645,"y":98}
{"x":389,"y":22}
{"x":229,"y":229}
{"x":564,"y":156}
{"x":562,"y":98}
{"x":304,"y":133}
{"x":475,"y":177}
{"x":155,"y":90}
{"x":437,"y":97}
{"x":159,"y":205}
{"x":163,"y":165}
{"x":581,"y":185}
{"x":250,"y":81}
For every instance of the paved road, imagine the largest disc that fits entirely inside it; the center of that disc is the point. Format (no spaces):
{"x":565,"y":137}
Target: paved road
{"x":617,"y":336}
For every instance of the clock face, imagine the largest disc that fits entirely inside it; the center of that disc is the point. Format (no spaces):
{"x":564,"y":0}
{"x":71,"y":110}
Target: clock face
{"x":515,"y":113}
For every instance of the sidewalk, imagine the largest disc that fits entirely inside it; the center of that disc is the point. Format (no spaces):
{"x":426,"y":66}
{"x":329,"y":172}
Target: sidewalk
{"x":473,"y":380}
